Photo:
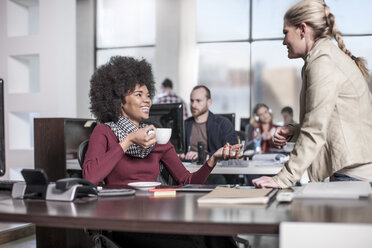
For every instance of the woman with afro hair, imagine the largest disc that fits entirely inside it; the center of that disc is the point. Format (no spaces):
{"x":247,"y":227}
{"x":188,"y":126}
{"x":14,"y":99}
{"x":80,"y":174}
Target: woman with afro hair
{"x":121,"y":149}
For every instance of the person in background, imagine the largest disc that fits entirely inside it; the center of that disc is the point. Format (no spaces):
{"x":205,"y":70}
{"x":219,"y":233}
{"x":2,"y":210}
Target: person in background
{"x":287,"y":113}
{"x":122,"y":149}
{"x":213,"y":130}
{"x":168,"y":96}
{"x":335,"y":130}
{"x":263,"y":120}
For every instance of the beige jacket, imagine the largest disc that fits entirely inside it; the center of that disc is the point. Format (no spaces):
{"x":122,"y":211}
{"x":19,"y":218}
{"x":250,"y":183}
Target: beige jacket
{"x":335,"y":129}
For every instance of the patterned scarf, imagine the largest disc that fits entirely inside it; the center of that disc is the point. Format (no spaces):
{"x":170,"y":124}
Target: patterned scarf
{"x":121,"y":129}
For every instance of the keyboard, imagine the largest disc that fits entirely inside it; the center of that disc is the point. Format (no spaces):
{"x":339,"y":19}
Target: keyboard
{"x":116,"y":192}
{"x":188,"y":160}
{"x":7,"y":184}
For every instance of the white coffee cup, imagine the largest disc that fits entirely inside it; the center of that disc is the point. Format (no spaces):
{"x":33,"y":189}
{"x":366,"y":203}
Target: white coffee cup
{"x":163,"y":135}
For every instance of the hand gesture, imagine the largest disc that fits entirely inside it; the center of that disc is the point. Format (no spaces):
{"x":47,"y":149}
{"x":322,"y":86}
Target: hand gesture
{"x":282,"y":134}
{"x":265,"y":182}
{"x":191,"y":155}
{"x":226,"y":153}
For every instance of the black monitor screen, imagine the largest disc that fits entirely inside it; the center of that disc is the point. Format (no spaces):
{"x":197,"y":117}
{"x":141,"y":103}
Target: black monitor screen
{"x":230,"y":116}
{"x":170,"y":116}
{"x":2,"y":138}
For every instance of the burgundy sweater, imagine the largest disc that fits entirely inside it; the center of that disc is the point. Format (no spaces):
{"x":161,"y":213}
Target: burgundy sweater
{"x":106,"y":160}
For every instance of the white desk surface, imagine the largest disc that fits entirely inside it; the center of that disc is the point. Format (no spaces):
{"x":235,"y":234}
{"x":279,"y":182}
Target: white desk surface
{"x":246,"y":167}
{"x":241,"y":167}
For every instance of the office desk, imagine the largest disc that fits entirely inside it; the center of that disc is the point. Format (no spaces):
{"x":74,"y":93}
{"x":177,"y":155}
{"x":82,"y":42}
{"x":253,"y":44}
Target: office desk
{"x":179,"y":215}
{"x":143,"y":213}
{"x":246,"y":167}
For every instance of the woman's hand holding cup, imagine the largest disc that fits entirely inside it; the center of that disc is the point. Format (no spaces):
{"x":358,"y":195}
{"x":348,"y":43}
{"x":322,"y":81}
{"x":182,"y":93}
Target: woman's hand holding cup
{"x":142,"y":137}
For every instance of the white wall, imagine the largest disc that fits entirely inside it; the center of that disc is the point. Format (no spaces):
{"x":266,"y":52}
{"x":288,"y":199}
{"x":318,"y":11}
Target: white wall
{"x":84,"y":54}
{"x":63,"y":40}
{"x":54,"y":43}
{"x":176,"y":49}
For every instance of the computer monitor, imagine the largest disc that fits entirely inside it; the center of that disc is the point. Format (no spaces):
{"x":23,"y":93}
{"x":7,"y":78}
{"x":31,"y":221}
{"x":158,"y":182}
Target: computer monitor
{"x":243,"y":123}
{"x":2,"y":137}
{"x":170,"y":115}
{"x":230,"y":116}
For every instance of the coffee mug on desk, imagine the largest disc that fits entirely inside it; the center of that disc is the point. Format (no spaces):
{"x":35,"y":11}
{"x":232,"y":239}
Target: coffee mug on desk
{"x":163,"y":135}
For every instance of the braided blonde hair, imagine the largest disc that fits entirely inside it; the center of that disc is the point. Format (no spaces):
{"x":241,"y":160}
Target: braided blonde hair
{"x":317,"y":15}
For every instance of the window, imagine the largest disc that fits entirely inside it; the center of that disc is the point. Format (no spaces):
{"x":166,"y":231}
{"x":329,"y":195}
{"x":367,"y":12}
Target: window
{"x":222,"y":20}
{"x":224,"y":68}
{"x":352,"y":17}
{"x":276,"y":79}
{"x":267,"y":18}
{"x":246,"y":36}
{"x":234,"y":47}
{"x":125,"y":27}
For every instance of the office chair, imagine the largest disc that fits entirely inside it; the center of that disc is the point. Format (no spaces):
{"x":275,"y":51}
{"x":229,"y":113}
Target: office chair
{"x":243,"y":123}
{"x":230,"y":116}
{"x":165,"y":177}
{"x":99,"y":237}
{"x":82,"y":149}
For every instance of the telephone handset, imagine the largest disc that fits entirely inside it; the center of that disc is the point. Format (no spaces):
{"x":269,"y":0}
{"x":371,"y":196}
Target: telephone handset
{"x":67,"y":189}
{"x":37,"y":186}
{"x":67,"y":183}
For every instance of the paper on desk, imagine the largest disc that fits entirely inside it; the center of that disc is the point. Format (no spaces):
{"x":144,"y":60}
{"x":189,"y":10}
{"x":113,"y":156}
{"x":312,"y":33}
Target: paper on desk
{"x":223,"y":195}
{"x":335,"y":190}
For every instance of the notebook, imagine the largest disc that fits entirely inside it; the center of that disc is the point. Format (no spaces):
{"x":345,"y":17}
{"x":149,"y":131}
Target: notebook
{"x":223,"y":195}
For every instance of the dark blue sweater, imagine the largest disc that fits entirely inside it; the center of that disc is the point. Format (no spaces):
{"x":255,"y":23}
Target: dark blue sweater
{"x":219,"y":131}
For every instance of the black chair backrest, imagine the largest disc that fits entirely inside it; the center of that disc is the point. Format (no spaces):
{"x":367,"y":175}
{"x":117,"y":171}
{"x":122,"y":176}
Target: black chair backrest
{"x":230,"y":116}
{"x":82,"y":149}
{"x":243,"y":123}
{"x":165,"y":177}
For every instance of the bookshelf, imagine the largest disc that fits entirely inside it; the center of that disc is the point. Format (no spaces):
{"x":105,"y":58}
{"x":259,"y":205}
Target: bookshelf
{"x":57,"y":141}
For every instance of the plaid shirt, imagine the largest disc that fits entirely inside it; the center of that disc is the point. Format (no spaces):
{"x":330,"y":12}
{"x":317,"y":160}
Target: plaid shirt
{"x":171,"y":97}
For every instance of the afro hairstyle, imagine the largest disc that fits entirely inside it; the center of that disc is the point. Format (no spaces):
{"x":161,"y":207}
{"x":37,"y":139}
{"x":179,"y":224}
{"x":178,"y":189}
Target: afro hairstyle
{"x":112,"y":81}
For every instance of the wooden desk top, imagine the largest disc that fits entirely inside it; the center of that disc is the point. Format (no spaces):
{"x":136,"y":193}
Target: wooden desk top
{"x":143,"y":213}
{"x":182,"y":215}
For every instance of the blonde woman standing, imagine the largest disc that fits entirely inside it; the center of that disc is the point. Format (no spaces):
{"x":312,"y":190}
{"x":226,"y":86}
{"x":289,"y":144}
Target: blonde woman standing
{"x":335,"y":130}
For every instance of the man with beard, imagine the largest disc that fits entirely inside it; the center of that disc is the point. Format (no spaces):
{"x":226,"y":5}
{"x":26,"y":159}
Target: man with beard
{"x":213,"y":130}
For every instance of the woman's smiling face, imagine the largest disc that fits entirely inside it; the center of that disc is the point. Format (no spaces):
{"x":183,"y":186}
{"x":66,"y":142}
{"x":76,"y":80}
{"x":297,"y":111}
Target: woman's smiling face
{"x":137,"y":105}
